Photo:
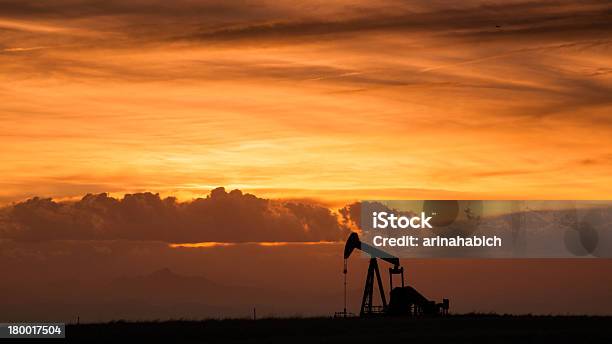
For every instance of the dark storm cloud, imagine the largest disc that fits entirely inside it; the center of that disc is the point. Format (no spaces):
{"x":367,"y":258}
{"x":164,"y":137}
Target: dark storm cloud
{"x":221,"y":217}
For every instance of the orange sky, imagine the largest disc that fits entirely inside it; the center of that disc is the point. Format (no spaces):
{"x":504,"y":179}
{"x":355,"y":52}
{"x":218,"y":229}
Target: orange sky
{"x":304,"y":99}
{"x":355,"y":99}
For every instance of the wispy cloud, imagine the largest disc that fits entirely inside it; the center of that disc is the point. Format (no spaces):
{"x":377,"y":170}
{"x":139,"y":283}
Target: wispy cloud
{"x":16,"y":50}
{"x":299,"y":96}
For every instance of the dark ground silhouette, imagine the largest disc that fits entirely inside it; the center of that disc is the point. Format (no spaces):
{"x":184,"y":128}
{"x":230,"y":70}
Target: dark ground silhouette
{"x":451,"y":329}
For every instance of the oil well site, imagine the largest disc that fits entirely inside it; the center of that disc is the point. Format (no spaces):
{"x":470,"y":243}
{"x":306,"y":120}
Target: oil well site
{"x":401,"y":314}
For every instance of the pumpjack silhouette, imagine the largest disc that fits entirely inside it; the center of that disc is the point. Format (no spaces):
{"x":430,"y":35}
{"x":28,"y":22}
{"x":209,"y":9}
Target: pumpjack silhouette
{"x":404,"y":300}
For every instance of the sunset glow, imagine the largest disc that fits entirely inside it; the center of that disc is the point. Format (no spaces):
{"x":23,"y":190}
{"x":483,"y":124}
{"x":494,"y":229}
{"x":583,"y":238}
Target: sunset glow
{"x":215,"y":159}
{"x":263,"y":243}
{"x":357,"y":111}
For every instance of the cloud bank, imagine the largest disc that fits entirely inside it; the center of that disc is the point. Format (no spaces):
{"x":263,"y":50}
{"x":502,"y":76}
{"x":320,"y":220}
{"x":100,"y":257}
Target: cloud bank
{"x":221,"y":217}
